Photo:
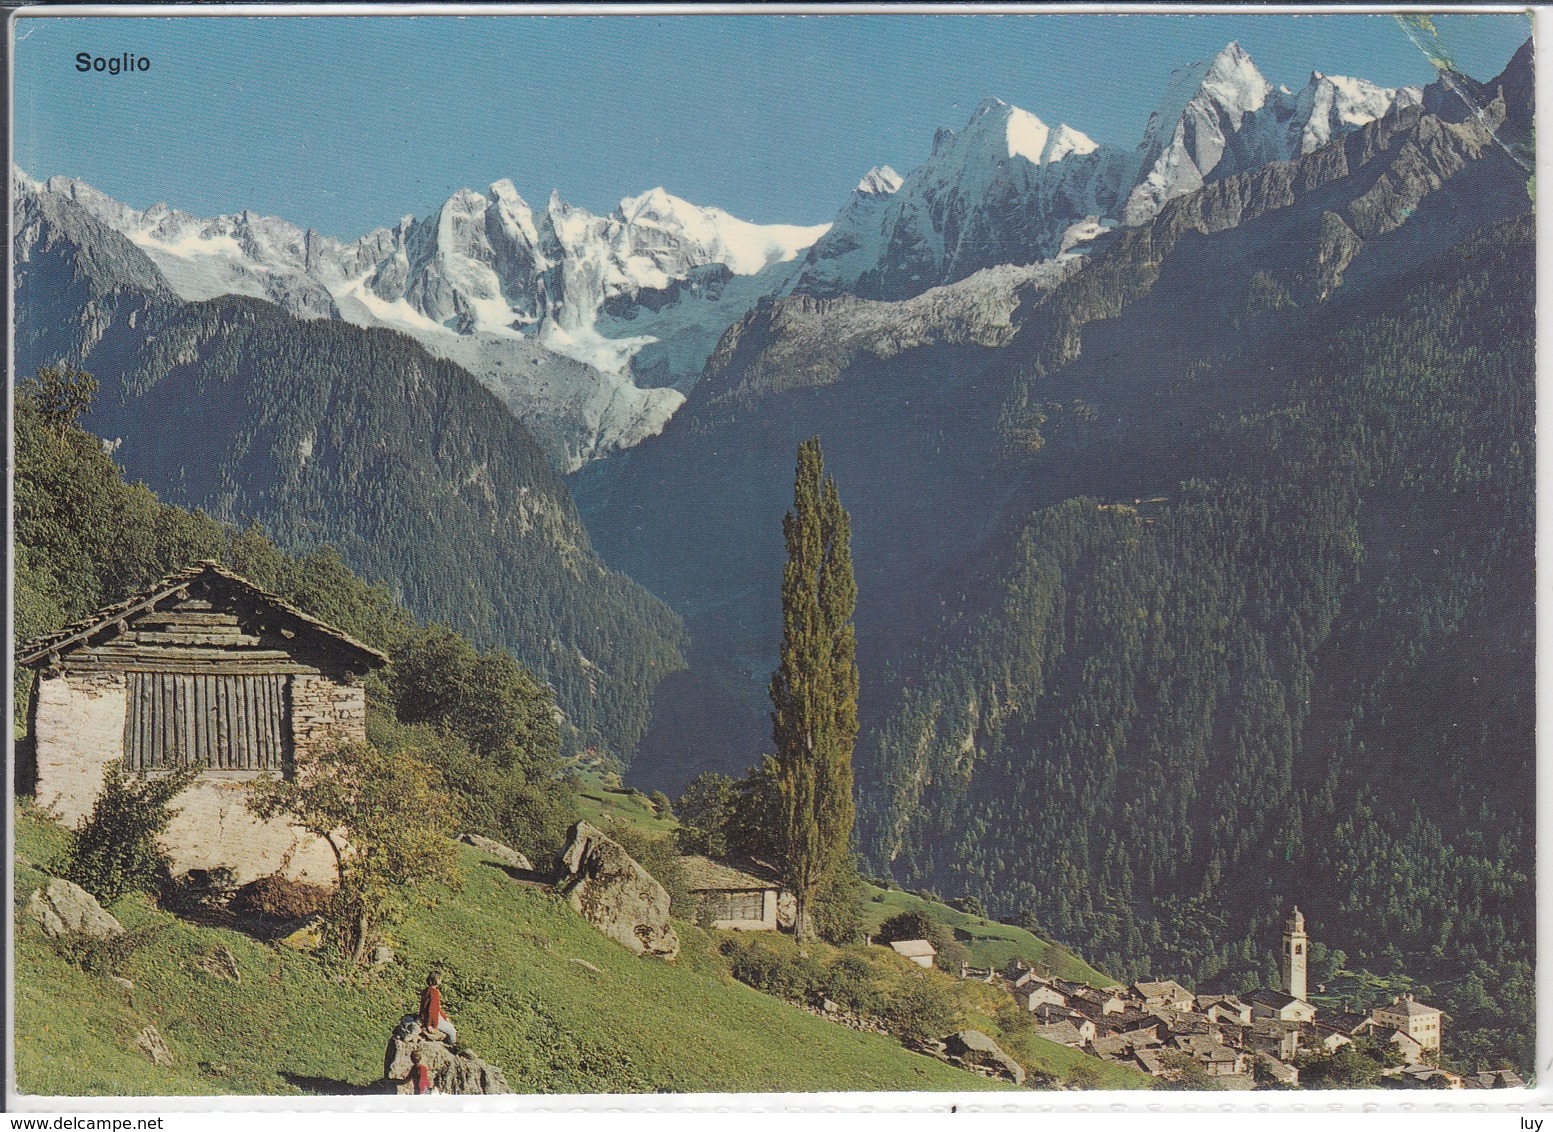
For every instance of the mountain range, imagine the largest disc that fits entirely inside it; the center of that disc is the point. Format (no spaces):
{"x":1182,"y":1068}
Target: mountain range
{"x":589,"y":327}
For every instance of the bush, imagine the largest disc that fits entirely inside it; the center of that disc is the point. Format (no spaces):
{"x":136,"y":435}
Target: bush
{"x":282,"y":898}
{"x":970,"y":905}
{"x":105,"y":957}
{"x":838,"y":906}
{"x":793,"y":977}
{"x":116,"y":849}
{"x":921,"y":1010}
{"x":850,"y":983}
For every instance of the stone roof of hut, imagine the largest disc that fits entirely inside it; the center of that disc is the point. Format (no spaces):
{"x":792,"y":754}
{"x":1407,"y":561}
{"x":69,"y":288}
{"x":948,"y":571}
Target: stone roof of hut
{"x":203,"y":573}
{"x":702,"y":874}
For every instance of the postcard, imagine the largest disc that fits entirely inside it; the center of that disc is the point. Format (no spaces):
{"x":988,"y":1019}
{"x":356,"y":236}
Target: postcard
{"x":981,"y":557}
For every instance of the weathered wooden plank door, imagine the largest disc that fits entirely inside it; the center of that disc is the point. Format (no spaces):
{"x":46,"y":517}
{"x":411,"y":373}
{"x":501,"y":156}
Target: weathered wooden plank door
{"x":223,"y":722}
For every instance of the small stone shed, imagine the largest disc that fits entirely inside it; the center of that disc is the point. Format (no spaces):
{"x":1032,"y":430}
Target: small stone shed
{"x":919,"y":951}
{"x":741,"y":899}
{"x":204,"y":668}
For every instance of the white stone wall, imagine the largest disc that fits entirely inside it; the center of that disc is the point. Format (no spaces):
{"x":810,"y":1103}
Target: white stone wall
{"x":766,"y":923}
{"x":214,"y":829}
{"x":80,"y":727}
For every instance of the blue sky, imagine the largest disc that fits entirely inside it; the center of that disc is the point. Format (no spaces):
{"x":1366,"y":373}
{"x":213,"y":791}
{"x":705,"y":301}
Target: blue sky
{"x":347,"y":123}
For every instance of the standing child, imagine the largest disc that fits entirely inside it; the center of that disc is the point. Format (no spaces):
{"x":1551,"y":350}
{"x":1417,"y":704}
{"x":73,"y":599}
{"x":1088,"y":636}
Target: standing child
{"x":420,"y":1076}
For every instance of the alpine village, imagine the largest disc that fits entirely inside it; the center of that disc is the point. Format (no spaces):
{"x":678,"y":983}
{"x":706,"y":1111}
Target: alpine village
{"x":1094,"y":652}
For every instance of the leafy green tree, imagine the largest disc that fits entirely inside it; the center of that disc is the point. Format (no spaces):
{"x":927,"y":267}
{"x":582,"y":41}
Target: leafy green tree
{"x":60,"y":395}
{"x":838,"y":905}
{"x":814,"y":689}
{"x":487,"y":699}
{"x":705,"y":809}
{"x":116,"y":849}
{"x":387,"y":820}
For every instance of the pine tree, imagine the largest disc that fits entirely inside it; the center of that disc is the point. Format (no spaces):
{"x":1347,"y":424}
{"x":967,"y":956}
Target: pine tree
{"x":814,"y":689}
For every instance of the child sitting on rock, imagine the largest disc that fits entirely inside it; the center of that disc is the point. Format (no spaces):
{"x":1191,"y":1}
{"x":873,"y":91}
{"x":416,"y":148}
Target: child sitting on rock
{"x":434,"y":1023}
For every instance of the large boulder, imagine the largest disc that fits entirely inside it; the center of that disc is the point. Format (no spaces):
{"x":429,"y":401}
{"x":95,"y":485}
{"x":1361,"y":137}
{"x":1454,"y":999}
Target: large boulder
{"x":63,"y":909}
{"x":974,"y":1050}
{"x":503,"y":853}
{"x":615,"y":894}
{"x":460,"y":1073}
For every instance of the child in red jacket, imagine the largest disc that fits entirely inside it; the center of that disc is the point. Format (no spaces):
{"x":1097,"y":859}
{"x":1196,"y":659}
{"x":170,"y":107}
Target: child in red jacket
{"x":432,"y":1018}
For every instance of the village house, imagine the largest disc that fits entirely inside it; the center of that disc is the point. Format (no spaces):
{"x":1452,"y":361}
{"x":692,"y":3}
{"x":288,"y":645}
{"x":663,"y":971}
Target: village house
{"x":1166,"y":995}
{"x":1274,"y":1038}
{"x":743,"y":899}
{"x":1093,"y":1003}
{"x":1049,"y":1015}
{"x":1421,"y":1023}
{"x":1417,"y":1075}
{"x":1034,"y":994}
{"x":1279,"y":1071}
{"x":1224,"y":1008}
{"x":1494,"y":1079}
{"x":1329,"y":1039}
{"x":1280,"y":1007}
{"x":201,"y":669}
{"x":1064,"y":1033}
{"x":1149,"y":1061}
{"x":1406,"y":1044}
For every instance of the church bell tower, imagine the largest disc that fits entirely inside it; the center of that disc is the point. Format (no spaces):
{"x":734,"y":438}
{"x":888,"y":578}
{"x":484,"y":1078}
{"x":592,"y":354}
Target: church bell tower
{"x":1295,"y":945}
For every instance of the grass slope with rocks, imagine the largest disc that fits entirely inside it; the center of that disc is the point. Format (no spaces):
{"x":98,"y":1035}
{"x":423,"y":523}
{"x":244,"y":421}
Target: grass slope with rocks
{"x":532,"y":987}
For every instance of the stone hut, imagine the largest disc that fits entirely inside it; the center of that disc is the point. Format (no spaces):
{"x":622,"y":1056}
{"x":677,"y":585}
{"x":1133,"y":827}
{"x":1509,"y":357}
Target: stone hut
{"x":740,"y":899}
{"x":205,"y":669}
{"x":919,"y":951}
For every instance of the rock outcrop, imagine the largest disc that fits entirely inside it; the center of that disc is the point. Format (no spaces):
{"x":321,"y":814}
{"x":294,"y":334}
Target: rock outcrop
{"x":974,"y":1050}
{"x":149,"y":1042}
{"x":62,"y":909}
{"x":615,"y":894}
{"x":503,"y":853}
{"x":457,"y":1072}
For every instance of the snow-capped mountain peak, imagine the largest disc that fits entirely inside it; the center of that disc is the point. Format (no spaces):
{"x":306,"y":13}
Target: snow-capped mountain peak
{"x":1221,"y":117}
{"x":880,"y":181}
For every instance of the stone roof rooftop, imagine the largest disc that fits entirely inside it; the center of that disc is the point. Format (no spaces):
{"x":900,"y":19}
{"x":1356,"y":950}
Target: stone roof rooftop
{"x":39,"y":649}
{"x":702,"y":874}
{"x":1408,"y":1007}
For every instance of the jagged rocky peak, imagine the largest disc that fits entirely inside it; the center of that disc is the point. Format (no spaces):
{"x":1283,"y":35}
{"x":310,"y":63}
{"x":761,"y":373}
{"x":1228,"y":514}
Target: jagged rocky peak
{"x":1004,"y":189}
{"x":999,"y":129}
{"x":1203,"y":107}
{"x":880,"y":181}
{"x":1330,"y":106}
{"x":1221,"y":116}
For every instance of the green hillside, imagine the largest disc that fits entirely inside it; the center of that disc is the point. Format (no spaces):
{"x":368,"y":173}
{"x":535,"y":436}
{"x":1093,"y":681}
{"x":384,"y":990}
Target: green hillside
{"x":519,"y":984}
{"x":989,"y":943}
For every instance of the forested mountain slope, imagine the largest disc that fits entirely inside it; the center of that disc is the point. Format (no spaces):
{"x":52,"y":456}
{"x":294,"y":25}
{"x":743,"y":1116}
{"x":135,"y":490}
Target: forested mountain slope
{"x":1304,"y":674}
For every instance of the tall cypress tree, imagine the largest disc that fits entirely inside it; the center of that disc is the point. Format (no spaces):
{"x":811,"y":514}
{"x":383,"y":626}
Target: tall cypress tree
{"x":814,"y":689}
